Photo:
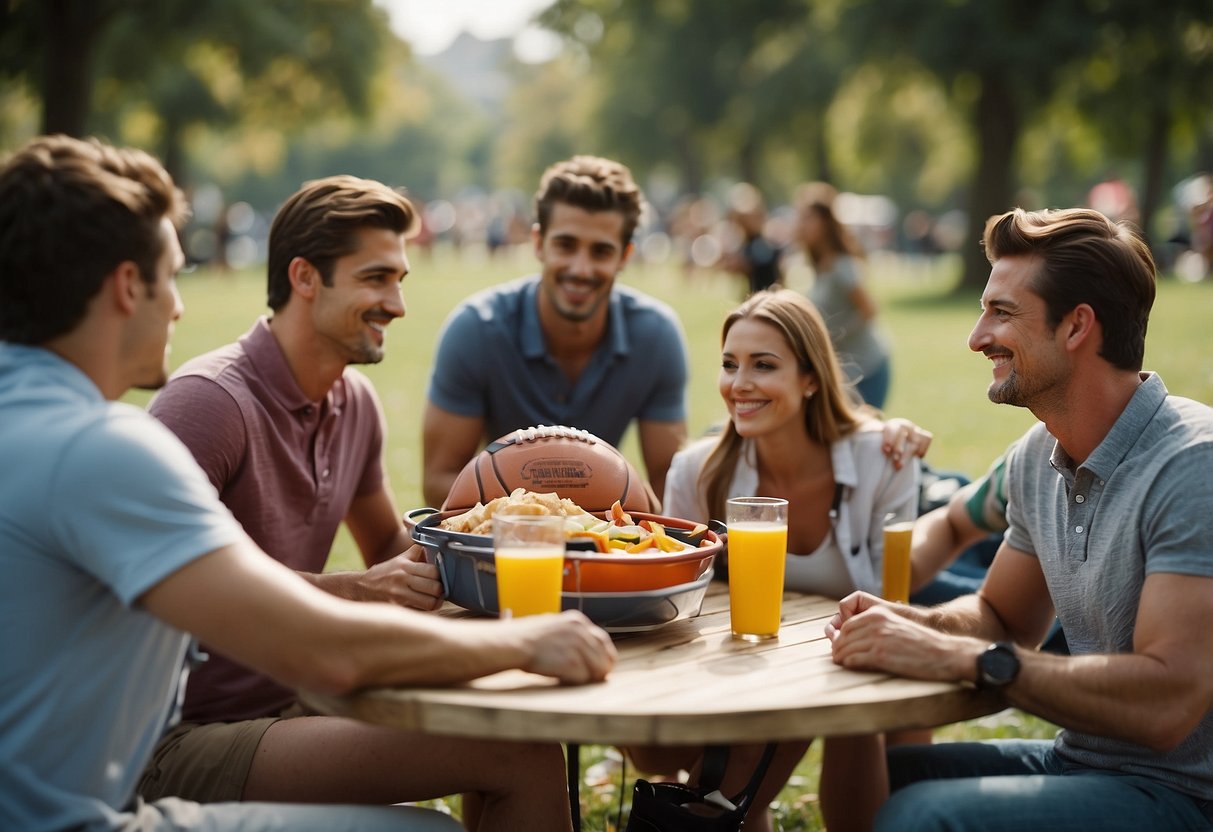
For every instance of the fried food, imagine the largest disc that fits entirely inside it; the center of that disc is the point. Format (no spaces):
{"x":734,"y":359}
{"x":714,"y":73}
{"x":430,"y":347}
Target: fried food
{"x":479,"y":519}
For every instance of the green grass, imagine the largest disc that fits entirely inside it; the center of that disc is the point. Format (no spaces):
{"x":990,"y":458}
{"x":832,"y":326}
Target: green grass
{"x":937,"y":382}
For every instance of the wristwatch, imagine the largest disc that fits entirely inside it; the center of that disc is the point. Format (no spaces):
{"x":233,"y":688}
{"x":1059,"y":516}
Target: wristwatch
{"x":997,"y":666}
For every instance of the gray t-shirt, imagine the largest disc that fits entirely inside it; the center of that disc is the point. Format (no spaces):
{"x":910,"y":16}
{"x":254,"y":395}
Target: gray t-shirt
{"x":98,"y":503}
{"x":859,"y":343}
{"x":1142,"y":503}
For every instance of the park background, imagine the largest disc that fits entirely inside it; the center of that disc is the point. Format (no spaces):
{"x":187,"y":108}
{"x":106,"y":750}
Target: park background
{"x":928,"y":116}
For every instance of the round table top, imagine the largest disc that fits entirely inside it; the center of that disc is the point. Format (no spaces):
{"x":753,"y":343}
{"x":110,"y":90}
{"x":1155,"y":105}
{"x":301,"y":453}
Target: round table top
{"x":687,"y":682}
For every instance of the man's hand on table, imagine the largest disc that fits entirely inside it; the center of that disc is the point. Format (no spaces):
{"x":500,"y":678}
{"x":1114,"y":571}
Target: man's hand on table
{"x":869,"y":633}
{"x":406,"y":580}
{"x":567,"y":646}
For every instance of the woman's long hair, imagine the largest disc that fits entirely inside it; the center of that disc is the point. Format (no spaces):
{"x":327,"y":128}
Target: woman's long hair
{"x":837,"y":239}
{"x":829,"y":415}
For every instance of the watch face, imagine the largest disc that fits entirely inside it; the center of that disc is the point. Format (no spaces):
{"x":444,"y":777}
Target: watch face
{"x":999,"y":665}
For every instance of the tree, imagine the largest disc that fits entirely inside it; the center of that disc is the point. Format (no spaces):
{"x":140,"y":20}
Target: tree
{"x":1147,"y":85}
{"x":1000,"y":58}
{"x":185,"y":62}
{"x":674,"y":75}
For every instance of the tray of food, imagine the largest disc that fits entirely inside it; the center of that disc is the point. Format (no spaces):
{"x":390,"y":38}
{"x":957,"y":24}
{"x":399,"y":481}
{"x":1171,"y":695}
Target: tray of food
{"x":624,"y":570}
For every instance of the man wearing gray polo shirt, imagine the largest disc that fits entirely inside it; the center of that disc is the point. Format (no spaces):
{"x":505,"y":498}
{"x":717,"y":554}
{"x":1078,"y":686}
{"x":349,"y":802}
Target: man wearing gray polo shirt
{"x":1110,"y":525}
{"x":566,"y":347}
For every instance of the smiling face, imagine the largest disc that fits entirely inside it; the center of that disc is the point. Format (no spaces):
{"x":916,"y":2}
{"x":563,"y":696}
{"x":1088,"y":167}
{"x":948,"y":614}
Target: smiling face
{"x":582,"y":253}
{"x":1030,"y":364}
{"x":160,"y":306}
{"x":760,"y":380}
{"x":351,"y":315}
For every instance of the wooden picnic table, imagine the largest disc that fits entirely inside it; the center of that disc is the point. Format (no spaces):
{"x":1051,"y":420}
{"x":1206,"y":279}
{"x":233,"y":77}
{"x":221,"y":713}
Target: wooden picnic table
{"x":687,"y":682}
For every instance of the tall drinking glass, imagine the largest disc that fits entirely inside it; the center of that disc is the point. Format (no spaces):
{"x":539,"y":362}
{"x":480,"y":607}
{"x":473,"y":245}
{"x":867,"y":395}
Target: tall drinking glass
{"x":758,"y":547}
{"x":528,"y":551}
{"x":897,"y":539}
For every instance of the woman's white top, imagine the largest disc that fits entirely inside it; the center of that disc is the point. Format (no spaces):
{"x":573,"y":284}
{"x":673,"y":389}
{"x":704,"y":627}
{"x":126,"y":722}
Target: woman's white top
{"x":869,"y":488}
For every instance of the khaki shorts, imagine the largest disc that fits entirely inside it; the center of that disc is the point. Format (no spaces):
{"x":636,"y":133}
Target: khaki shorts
{"x":205,"y":763}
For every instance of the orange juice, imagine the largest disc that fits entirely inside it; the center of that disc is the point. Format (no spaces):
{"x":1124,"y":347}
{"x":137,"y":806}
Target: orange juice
{"x":529,"y":578}
{"x":757,"y":551}
{"x":897,"y":538}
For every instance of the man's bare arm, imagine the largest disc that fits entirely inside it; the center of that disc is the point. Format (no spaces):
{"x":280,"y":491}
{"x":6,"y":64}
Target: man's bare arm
{"x":1154,"y":696}
{"x":659,"y":441}
{"x":939,"y":536}
{"x":448,"y":442}
{"x":260,"y":613}
{"x":396,"y":568}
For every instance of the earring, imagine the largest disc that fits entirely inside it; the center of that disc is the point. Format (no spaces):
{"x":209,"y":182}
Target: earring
{"x":809,"y":394}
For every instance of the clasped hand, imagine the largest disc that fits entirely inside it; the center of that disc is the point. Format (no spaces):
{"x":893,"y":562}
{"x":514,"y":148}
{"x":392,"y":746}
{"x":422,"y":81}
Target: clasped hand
{"x":869,"y":633}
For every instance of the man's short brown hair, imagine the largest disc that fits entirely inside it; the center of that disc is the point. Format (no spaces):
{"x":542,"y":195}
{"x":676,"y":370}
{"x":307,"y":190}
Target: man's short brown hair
{"x":1085,"y":258}
{"x":320,"y":221}
{"x":592,"y":184}
{"x":71,"y":211}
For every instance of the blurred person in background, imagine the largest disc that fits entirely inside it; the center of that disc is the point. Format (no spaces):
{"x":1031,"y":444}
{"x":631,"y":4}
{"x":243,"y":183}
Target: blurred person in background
{"x":569,"y":346}
{"x":757,"y":257}
{"x":839,"y":293}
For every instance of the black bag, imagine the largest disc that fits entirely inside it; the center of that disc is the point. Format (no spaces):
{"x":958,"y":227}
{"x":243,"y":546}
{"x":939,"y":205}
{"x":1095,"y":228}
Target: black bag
{"x":673,"y":807}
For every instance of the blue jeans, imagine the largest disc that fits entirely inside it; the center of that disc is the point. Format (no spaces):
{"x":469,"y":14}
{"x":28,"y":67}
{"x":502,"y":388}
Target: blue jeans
{"x":874,"y":386}
{"x":1024,"y":786}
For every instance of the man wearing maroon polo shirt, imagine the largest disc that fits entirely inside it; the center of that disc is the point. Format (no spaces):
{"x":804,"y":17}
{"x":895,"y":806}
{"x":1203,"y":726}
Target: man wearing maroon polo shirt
{"x":292,"y":438}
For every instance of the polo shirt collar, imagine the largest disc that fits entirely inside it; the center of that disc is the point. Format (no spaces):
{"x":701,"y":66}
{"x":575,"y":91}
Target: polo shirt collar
{"x":1125,"y":432}
{"x":265,"y":354}
{"x":531,"y":334}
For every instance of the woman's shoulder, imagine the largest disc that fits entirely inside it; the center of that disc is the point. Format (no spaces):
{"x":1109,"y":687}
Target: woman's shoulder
{"x":696,"y":452}
{"x":867,"y":440}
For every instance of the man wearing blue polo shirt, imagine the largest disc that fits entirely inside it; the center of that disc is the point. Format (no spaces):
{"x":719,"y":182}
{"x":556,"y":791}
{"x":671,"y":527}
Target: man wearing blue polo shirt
{"x":565,"y":347}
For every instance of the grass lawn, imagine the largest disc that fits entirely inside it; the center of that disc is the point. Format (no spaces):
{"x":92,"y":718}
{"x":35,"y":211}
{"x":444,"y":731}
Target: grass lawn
{"x":937,"y":382}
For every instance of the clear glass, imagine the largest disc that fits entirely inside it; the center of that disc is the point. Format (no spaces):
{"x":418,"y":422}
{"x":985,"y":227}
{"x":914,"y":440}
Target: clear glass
{"x":528,"y":552}
{"x":758,"y":547}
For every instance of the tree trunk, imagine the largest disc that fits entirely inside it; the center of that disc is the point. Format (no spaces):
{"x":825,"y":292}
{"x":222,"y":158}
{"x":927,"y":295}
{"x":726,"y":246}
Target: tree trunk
{"x":1156,"y":165}
{"x":821,"y":154}
{"x":692,"y":166}
{"x":172,"y":152}
{"x":71,"y":28}
{"x":747,"y":160}
{"x":997,"y":129}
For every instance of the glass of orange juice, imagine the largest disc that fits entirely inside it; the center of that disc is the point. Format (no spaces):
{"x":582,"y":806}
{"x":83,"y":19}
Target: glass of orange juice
{"x":897,"y":539}
{"x":528,"y":551}
{"x":758,"y":547}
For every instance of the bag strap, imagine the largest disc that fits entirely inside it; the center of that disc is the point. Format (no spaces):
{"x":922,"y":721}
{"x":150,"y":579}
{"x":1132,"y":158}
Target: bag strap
{"x":711,"y":773}
{"x":743,"y":799}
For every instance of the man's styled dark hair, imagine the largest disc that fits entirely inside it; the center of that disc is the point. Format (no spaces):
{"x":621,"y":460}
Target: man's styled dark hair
{"x":592,"y":184}
{"x":1085,"y":258}
{"x":71,"y":211}
{"x":320,"y":222}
